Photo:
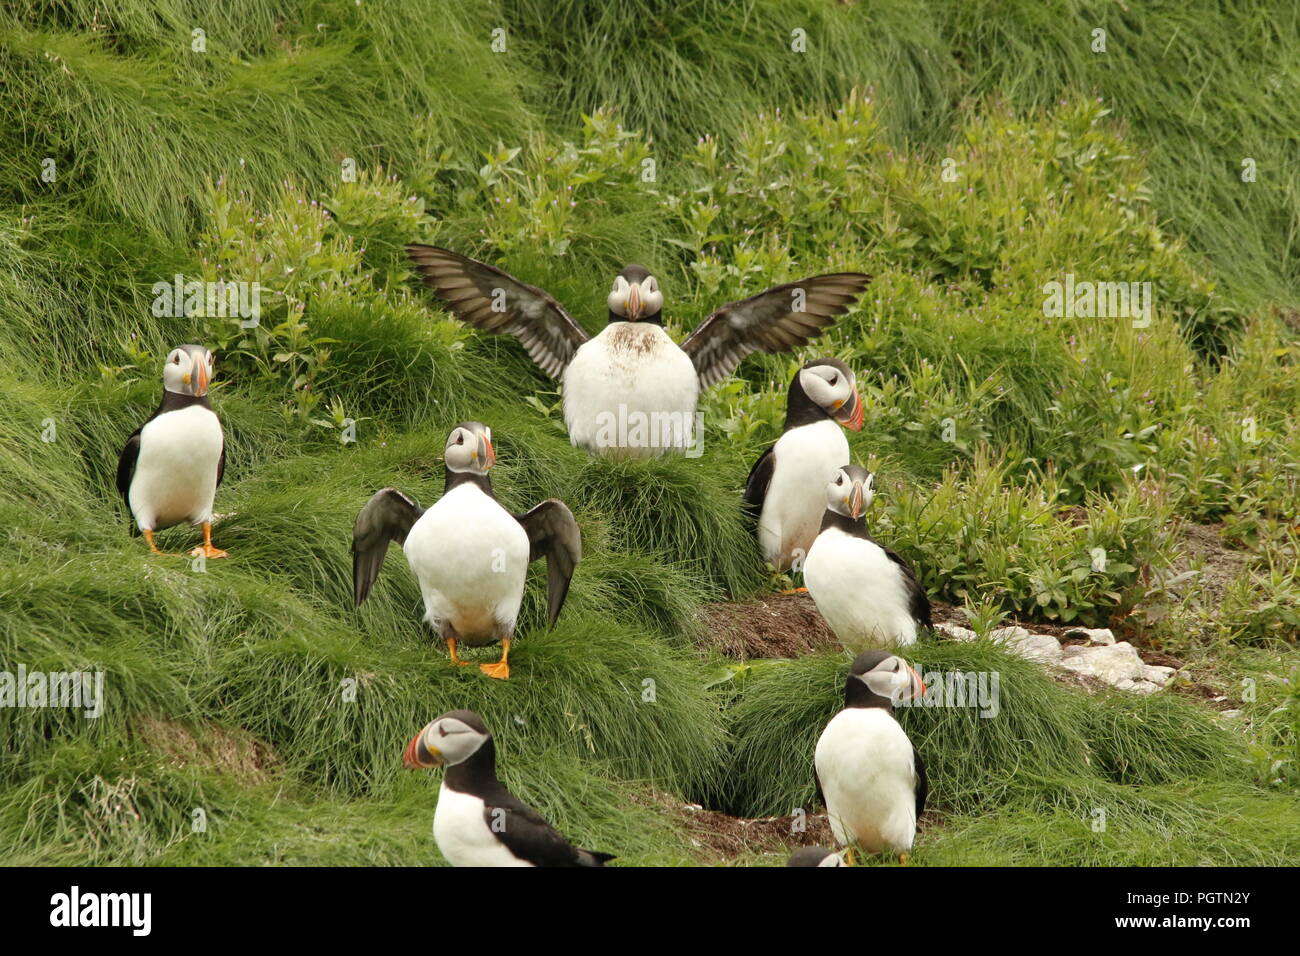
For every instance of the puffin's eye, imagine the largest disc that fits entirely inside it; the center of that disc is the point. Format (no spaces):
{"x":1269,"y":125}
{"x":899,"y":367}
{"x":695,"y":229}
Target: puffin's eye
{"x":833,"y":379}
{"x":460,"y":438}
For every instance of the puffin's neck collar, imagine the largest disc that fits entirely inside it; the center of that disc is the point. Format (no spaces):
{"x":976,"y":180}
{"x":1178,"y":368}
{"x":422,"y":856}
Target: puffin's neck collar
{"x":800,"y":409}
{"x":475,"y":773}
{"x":858,"y":694}
{"x":656,"y":319}
{"x":172,"y":401}
{"x":854,"y":526}
{"x":457,"y":478}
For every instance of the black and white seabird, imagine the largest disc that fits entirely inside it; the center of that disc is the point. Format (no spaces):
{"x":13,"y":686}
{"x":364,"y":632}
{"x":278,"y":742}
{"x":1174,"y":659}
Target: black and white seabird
{"x":781,"y":492}
{"x":171,"y":465}
{"x":816,"y":856}
{"x":868,"y":772}
{"x":478,"y":821}
{"x":868,"y":594}
{"x":469,"y":554}
{"x":631,"y":391}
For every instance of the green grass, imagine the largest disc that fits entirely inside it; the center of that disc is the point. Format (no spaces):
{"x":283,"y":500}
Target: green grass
{"x":1010,"y":446}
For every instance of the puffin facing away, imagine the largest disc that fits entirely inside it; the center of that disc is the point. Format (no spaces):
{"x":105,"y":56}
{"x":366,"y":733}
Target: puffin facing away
{"x":478,"y":821}
{"x":781,"y":490}
{"x":469,"y":554}
{"x":870,"y":775}
{"x":868,"y":594}
{"x":170,"y":468}
{"x":631,"y":391}
{"x":816,"y":856}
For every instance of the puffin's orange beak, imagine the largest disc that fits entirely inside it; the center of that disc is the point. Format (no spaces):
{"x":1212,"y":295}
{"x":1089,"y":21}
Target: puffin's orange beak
{"x":489,"y":454}
{"x":918,"y":685}
{"x":851,"y":412}
{"x":202,"y":371}
{"x":856,"y":497}
{"x":633,"y":302}
{"x":418,"y":756}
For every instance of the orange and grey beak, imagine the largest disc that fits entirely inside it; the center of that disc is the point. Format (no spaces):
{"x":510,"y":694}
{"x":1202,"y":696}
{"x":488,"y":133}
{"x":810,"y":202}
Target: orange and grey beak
{"x":633,"y":301}
{"x":850,"y":413}
{"x":201,"y":367}
{"x":857,"y":497}
{"x":918,"y":685}
{"x":487,"y":452}
{"x":418,"y":756}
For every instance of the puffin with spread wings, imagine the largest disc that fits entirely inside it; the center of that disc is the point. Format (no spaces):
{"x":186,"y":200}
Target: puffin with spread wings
{"x":469,"y":554}
{"x":631,"y":391}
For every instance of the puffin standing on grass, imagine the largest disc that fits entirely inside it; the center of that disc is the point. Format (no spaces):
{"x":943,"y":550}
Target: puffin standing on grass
{"x":867,"y":770}
{"x":170,"y":468}
{"x":478,"y":821}
{"x":469,"y":554}
{"x":631,"y":391}
{"x":867,"y":593}
{"x":780,"y":492}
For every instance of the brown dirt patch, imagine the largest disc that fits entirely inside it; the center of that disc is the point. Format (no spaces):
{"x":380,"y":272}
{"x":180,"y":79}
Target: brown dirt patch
{"x":215,"y":749}
{"x":774,"y":625}
{"x":719,"y":835}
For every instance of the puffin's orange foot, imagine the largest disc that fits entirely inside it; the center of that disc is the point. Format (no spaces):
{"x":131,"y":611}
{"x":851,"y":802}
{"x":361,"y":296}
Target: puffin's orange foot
{"x":796,"y":591}
{"x":903,"y":858}
{"x":153,"y":546}
{"x":850,"y":859}
{"x":500,"y":670}
{"x":207,"y":551}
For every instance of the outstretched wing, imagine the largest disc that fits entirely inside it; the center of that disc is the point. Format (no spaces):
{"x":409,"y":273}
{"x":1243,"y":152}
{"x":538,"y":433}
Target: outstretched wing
{"x":553,"y":532}
{"x":760,"y":476}
{"x":922,"y":784}
{"x":784,"y":317}
{"x":494,"y":301}
{"x":387,"y":517}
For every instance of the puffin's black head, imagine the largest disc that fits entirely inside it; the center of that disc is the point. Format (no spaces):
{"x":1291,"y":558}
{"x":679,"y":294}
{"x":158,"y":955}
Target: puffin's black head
{"x":469,"y":448}
{"x":188,"y":370}
{"x":635,"y":296}
{"x":881,"y":679}
{"x":816,"y":856}
{"x":447,"y":740}
{"x":850,"y":491}
{"x":831,"y":386}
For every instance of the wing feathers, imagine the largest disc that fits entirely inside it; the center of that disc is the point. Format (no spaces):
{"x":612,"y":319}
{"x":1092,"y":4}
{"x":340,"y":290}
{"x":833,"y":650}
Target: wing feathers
{"x":494,"y":301}
{"x":553,"y":532}
{"x":387,"y":517}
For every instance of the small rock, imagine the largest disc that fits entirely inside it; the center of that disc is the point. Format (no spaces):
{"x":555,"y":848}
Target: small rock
{"x":1036,"y":647}
{"x":1012,"y":633}
{"x":955,"y":632}
{"x":1158,"y":674}
{"x":1094,"y":635}
{"x":1112,"y":664}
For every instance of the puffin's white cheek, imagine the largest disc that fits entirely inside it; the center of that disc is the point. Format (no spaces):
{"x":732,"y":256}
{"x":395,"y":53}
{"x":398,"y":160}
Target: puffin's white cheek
{"x":652,"y":302}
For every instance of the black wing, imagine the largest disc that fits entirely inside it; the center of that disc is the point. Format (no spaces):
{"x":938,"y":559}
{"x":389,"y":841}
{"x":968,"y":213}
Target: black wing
{"x":494,"y":301}
{"x":784,"y":317}
{"x":919,"y":604}
{"x":922,"y":784}
{"x":553,"y":532}
{"x":126,"y":466}
{"x":387,"y":517}
{"x":528,"y":836}
{"x":760,"y":476}
{"x":221,"y":465}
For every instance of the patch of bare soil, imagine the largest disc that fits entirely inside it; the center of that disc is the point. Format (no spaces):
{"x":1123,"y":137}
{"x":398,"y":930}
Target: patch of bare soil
{"x":774,"y":625}
{"x":217,"y":749}
{"x":726,"y":837}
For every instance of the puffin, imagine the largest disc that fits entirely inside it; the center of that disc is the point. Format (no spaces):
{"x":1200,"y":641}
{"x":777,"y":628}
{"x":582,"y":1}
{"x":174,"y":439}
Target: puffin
{"x":171,"y":466}
{"x":816,"y":856}
{"x":469,"y":554}
{"x":780,"y":493}
{"x":478,"y":821}
{"x":631,"y":391}
{"x":868,"y":772}
{"x":868,"y":594}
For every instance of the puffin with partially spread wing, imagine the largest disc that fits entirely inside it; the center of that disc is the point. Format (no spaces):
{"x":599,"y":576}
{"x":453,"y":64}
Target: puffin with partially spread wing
{"x":631,"y":391}
{"x":469,"y":554}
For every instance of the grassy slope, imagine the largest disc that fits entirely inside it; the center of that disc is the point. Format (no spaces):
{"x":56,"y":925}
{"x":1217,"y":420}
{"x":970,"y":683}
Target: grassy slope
{"x":226,"y":685}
